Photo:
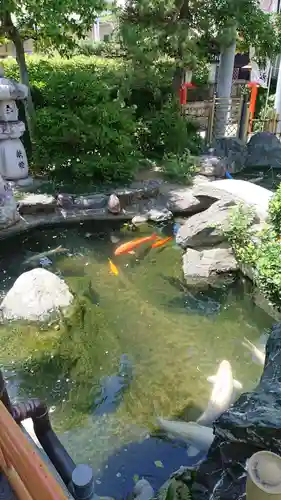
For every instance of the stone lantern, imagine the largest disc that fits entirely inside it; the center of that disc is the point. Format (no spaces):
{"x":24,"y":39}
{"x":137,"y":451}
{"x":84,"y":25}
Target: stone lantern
{"x":13,"y":160}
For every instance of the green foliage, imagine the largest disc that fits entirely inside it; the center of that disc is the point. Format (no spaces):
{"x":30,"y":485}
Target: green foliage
{"x":275,"y":210}
{"x":83,"y":127}
{"x":51,"y":23}
{"x":166,"y":131}
{"x":96,"y":118}
{"x":268,"y":269}
{"x":180,"y":168}
{"x":239,"y":234}
{"x":262,"y":251}
{"x":190,"y":32}
{"x":102,"y":49}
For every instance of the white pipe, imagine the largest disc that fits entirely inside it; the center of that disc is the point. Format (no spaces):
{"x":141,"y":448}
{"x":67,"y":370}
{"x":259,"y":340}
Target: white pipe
{"x":224,"y":87}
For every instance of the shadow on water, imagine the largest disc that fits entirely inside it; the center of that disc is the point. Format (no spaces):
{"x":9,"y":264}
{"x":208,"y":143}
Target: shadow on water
{"x":206,"y":302}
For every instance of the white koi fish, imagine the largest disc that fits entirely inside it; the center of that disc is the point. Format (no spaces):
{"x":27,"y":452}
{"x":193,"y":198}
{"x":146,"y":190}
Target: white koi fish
{"x":223,"y":394}
{"x":199,"y":433}
{"x":257,"y":355}
{"x":199,"y":436}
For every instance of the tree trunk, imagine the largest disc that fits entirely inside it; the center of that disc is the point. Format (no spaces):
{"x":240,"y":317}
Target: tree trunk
{"x":15,"y":37}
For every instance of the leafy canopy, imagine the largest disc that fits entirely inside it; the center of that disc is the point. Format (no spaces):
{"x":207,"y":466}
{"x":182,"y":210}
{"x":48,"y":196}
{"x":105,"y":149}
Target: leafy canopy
{"x":49,"y":22}
{"x":188,"y":30}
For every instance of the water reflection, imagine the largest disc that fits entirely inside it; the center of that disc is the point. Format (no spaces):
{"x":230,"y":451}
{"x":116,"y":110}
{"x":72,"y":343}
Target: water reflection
{"x":153,"y":459}
{"x":113,"y":388}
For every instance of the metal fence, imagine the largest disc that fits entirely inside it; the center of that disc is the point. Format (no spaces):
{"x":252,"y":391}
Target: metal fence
{"x":216,"y":118}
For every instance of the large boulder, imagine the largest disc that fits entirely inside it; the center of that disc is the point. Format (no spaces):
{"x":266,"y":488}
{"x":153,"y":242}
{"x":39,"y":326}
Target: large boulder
{"x":252,"y":424}
{"x":182,"y":200}
{"x":34,"y":296}
{"x":208,"y":265}
{"x":239,"y":191}
{"x":201,"y":230}
{"x":212,"y":166}
{"x":232,"y":150}
{"x":264,"y":150}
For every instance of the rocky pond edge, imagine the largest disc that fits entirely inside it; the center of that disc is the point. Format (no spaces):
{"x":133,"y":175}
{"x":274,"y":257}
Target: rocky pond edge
{"x":199,"y":208}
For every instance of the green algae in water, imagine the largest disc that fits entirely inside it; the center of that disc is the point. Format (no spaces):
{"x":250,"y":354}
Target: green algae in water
{"x":140,"y":313}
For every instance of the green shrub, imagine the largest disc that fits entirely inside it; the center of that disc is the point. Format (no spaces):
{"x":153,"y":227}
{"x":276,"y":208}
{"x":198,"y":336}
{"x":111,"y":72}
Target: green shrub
{"x":268,"y":269}
{"x":102,"y":49}
{"x":96,"y":118}
{"x":275,"y":210}
{"x":180,"y":168}
{"x":83,"y":127}
{"x":165,"y":131}
{"x":262,"y":251}
{"x":239,"y":234}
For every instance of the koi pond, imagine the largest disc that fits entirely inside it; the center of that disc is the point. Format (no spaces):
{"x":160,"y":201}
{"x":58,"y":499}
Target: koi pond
{"x":143,"y":347}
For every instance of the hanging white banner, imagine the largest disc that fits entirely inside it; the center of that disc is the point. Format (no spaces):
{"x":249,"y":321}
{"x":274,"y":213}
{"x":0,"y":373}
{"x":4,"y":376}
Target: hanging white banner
{"x":259,"y":74}
{"x":269,"y":5}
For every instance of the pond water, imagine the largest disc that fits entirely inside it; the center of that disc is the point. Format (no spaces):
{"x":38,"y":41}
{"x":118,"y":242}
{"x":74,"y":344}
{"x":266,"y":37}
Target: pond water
{"x":143,"y":347}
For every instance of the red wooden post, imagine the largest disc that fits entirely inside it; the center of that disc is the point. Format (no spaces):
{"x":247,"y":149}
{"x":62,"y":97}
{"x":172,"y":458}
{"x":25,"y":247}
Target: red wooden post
{"x":253,"y":100}
{"x":183,"y":91}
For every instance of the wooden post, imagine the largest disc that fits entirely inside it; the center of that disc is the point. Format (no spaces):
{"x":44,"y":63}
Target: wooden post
{"x":253,"y":100}
{"x":211,"y":121}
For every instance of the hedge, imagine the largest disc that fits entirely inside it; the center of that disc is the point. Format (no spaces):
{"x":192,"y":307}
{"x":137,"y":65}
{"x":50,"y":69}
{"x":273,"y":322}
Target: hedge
{"x":96,"y":118}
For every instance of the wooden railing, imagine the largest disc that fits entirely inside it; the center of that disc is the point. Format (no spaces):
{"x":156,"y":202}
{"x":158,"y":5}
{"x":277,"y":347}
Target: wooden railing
{"x":27,"y":474}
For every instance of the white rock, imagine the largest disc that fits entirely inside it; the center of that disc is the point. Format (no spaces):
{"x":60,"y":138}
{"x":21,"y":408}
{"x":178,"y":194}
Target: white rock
{"x":35,"y":295}
{"x":159,"y":215}
{"x":242,"y":191}
{"x":140,"y":219}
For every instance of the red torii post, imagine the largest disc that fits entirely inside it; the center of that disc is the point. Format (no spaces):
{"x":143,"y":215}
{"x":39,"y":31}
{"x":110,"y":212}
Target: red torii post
{"x":253,"y":100}
{"x":183,"y":91}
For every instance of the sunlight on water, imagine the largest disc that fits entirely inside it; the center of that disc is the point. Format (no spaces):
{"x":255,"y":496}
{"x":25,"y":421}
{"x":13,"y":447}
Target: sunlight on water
{"x":144,"y":348}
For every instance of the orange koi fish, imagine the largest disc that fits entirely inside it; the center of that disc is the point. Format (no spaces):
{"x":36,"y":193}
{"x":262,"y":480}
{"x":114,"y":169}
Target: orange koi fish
{"x":131,"y":245}
{"x":161,"y":242}
{"x":113,"y":268}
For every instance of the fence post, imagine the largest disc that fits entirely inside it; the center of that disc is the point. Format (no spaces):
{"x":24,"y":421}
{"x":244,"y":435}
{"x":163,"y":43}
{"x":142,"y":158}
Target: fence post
{"x":244,"y":118}
{"x":211,"y":121}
